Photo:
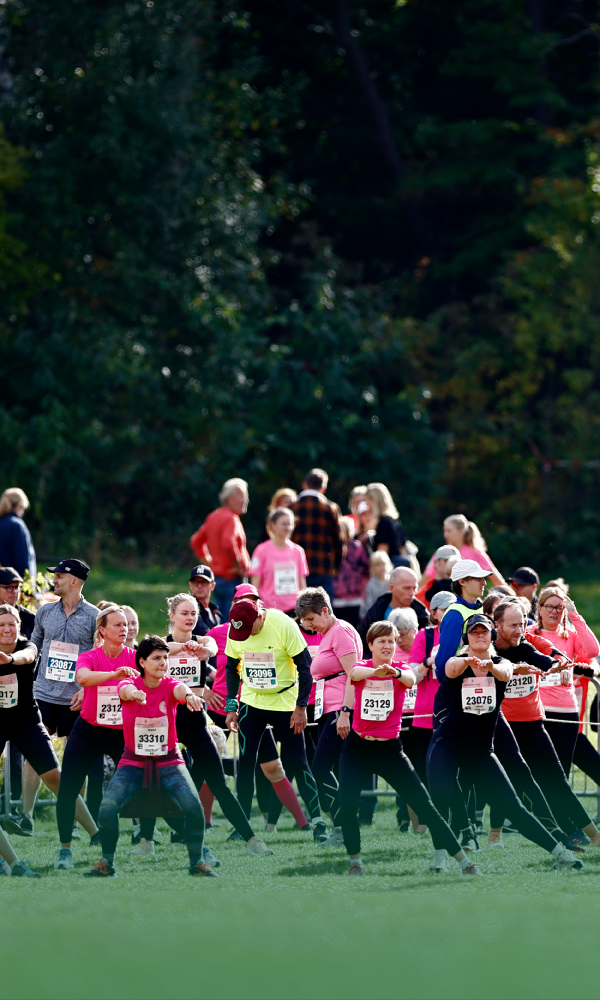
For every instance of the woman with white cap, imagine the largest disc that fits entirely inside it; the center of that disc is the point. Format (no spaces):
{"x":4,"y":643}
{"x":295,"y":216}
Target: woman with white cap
{"x":467,"y":538}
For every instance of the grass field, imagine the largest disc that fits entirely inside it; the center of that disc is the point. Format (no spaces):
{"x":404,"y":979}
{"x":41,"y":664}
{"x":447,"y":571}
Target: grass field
{"x":294,"y":925}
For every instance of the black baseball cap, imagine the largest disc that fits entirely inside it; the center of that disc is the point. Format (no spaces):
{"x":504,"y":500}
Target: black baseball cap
{"x":525,"y":575}
{"x":478,"y":620}
{"x":9,"y":575}
{"x":76,"y":567}
{"x":202,"y":572}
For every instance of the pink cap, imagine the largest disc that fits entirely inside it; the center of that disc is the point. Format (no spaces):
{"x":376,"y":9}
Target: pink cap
{"x":244,"y":590}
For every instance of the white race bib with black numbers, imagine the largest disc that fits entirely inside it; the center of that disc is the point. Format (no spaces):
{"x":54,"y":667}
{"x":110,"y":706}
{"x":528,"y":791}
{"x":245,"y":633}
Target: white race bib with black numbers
{"x":319,"y":698}
{"x":185,"y":668}
{"x":410,"y":699}
{"x":152,"y":736}
{"x":478,"y":695}
{"x":109,"y":711}
{"x":377,"y":699}
{"x":286,"y":579}
{"x":551,"y":680}
{"x":261,"y":674}
{"x":520,"y":686}
{"x":9,"y":691}
{"x":62,"y":659}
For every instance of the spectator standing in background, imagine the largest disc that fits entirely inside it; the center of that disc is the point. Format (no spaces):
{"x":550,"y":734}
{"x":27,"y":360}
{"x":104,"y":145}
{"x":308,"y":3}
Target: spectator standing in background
{"x":402,"y":590}
{"x":278,"y":568}
{"x":350,"y":585}
{"x":317,"y":530}
{"x":221,"y":542}
{"x":357,"y":496}
{"x":467,"y":538}
{"x":380,"y":566}
{"x":525,"y":583}
{"x":389,"y":533}
{"x":16,"y":548}
{"x":10,"y":591}
{"x":202,"y":585}
{"x":283,"y":497}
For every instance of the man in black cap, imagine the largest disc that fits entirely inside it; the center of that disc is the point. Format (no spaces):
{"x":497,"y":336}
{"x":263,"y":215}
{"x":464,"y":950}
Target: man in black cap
{"x":202,"y":584}
{"x":525,"y":583}
{"x":63,"y":629}
{"x":10,"y":591}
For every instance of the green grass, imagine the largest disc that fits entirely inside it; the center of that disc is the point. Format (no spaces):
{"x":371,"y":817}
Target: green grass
{"x":294,"y":925}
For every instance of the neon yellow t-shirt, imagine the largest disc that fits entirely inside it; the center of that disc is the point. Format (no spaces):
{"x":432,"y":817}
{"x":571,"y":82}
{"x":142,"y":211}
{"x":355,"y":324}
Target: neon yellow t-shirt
{"x":269,"y":668}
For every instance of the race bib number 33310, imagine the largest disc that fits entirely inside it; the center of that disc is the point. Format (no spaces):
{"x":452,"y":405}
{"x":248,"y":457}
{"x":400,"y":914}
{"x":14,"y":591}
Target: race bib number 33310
{"x":152,"y":736}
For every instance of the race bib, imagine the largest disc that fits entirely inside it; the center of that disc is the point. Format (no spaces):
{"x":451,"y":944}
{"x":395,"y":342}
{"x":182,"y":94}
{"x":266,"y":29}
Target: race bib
{"x":551,"y":680}
{"x":312,"y":651}
{"x":62,"y":658}
{"x":9,"y":691}
{"x":520,"y":685}
{"x":152,"y":736}
{"x":410,"y":699}
{"x":579,"y":697}
{"x":319,"y":698}
{"x":260,"y":670}
{"x":286,"y":579}
{"x":377,"y":699}
{"x":185,"y":668}
{"x":108,"y":707}
{"x":478,"y":695}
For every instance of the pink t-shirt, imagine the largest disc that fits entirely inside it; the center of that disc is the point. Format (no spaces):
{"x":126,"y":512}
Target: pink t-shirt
{"x":426,"y":688}
{"x":389,"y":729}
{"x":580,"y":644}
{"x":340,"y":640}
{"x":96,"y":659}
{"x":279,"y":572}
{"x":466,"y":552}
{"x":160,"y":702}
{"x":219,"y":634}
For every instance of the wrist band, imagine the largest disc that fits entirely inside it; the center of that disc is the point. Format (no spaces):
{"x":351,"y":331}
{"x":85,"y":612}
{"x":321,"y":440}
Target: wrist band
{"x":231,"y":705}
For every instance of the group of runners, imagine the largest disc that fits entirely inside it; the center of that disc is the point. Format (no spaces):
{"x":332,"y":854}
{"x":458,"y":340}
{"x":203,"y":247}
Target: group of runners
{"x":467,"y":702}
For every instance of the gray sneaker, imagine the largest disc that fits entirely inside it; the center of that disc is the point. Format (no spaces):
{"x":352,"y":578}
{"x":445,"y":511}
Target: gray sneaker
{"x":319,"y":828}
{"x":335,"y":839}
{"x":209,"y":858}
{"x":65,"y":859}
{"x":440,"y":862}
{"x":21,"y":868}
{"x":21,"y":825}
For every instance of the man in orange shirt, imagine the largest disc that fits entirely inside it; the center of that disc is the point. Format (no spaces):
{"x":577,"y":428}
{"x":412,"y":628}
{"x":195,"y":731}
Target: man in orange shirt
{"x":221,"y":542}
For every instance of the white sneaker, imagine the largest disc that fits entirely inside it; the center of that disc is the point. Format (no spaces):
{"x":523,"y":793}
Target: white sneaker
{"x":495,"y":839}
{"x":65,"y":859}
{"x":144,"y":848}
{"x":440,"y":862}
{"x":567,"y":861}
{"x":335,"y":839}
{"x":258,"y":848}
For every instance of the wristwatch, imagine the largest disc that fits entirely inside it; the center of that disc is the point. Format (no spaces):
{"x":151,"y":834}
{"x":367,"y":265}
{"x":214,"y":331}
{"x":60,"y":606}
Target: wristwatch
{"x":344,"y":708}
{"x":12,"y":659}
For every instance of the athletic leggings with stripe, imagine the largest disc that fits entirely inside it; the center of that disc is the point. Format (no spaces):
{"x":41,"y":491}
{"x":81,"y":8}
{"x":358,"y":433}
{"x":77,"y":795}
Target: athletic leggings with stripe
{"x":252,"y":723}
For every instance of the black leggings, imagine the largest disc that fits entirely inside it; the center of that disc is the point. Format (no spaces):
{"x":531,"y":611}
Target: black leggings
{"x":507,"y":751}
{"x":562,"y":730}
{"x":386,"y":758}
{"x":252,"y":723}
{"x":538,"y":750}
{"x":586,"y":758}
{"x":206,"y":766}
{"x":267,"y":799}
{"x":327,"y":754}
{"x":85,"y":744}
{"x":443,"y":764}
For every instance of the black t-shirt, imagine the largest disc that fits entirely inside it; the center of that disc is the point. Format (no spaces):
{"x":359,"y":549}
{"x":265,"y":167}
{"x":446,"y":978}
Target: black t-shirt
{"x":391,"y":533}
{"x":26,"y":708}
{"x":460,"y":730}
{"x":525,"y":652}
{"x":436,"y":587}
{"x":27,"y":621}
{"x":195,"y":636}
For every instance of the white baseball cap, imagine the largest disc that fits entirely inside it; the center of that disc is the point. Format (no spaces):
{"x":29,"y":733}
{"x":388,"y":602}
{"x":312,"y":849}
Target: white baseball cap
{"x":468,"y":567}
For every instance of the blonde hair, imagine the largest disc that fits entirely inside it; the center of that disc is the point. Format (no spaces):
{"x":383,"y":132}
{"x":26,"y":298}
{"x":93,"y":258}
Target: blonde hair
{"x":174,"y":602}
{"x":471,"y":533}
{"x":381,"y":557}
{"x":104,"y":612}
{"x":347,"y":529}
{"x":103,"y":605}
{"x":545,"y":594}
{"x":278,"y":494}
{"x":127,"y":608}
{"x":11,"y":498}
{"x":383,"y":505}
{"x":9,"y":609}
{"x":358,"y":491}
{"x":560,"y":583}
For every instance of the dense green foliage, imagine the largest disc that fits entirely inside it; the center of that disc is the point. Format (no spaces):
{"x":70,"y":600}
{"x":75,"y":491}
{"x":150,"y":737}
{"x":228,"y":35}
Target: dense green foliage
{"x":247,"y":242}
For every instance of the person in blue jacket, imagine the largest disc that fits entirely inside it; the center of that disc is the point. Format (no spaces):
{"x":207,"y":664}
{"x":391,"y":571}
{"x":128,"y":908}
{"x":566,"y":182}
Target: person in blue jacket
{"x":16,"y":548}
{"x":468,"y":582}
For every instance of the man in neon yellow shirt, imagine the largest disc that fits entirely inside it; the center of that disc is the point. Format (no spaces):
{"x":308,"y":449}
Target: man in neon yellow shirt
{"x":268,"y":651}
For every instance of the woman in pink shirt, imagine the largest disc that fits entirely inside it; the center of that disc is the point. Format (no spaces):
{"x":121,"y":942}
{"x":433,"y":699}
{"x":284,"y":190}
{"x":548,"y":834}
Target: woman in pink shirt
{"x":374,"y":747}
{"x":339,"y":649}
{"x":278,"y":568}
{"x":559,"y":621}
{"x":467,"y":538}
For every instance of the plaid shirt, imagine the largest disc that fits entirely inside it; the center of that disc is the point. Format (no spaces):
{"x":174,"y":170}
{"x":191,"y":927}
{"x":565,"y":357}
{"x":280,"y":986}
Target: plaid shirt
{"x":318,"y":532}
